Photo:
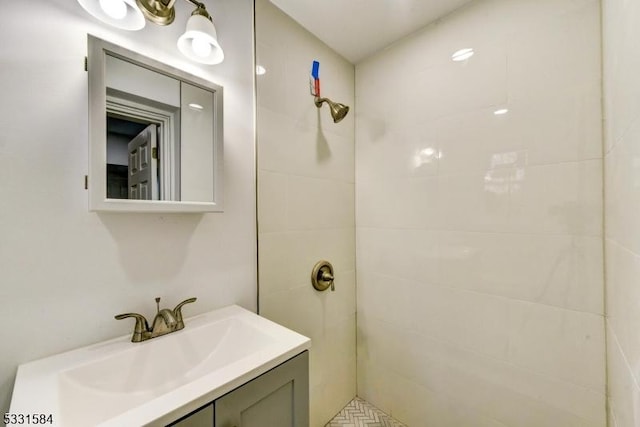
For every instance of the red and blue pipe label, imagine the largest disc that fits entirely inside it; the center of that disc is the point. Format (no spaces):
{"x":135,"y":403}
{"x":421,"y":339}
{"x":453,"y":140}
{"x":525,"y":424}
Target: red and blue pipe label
{"x":315,"y":78}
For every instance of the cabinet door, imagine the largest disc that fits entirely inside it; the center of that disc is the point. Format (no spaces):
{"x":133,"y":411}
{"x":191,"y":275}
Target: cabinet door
{"x":278,"y":398}
{"x":201,"y":418}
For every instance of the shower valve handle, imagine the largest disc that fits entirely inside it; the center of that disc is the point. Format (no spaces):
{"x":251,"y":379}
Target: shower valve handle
{"x":328,"y":277}
{"x":322,"y":276}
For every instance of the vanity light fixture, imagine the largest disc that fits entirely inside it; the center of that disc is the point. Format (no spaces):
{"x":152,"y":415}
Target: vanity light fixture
{"x":123,"y":14}
{"x":199,"y":42}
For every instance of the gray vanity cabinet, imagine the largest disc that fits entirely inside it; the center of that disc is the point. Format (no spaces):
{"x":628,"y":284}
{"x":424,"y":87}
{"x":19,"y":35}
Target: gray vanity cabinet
{"x":277,"y":398}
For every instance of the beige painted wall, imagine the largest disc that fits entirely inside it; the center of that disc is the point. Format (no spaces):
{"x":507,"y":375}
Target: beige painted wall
{"x":65,"y":272}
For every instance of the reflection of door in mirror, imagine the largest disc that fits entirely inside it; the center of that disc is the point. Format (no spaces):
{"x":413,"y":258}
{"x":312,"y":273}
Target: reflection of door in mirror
{"x":143,"y":165}
{"x":119,"y":132}
{"x":125,"y":144}
{"x":139,"y":97}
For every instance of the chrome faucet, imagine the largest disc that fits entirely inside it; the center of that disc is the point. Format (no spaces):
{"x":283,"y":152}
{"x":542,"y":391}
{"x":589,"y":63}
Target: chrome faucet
{"x":165,"y":322}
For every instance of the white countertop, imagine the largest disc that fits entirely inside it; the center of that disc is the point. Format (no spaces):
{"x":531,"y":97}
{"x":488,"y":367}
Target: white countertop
{"x":118,"y":383}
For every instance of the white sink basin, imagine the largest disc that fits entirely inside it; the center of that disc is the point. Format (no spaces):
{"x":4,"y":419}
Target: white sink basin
{"x":119,"y":383}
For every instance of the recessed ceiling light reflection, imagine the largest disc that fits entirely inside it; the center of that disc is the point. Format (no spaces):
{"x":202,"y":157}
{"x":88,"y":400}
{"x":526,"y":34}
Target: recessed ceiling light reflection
{"x":196,"y":107}
{"x":501,"y":111}
{"x":425,"y":156}
{"x":260,"y":70}
{"x":462,"y":54}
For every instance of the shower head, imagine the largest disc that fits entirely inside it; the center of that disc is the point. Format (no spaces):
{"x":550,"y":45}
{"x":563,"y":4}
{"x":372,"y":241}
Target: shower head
{"x":338,"y":111}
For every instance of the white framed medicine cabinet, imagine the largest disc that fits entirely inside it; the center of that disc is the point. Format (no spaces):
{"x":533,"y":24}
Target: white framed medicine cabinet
{"x":155,"y":135}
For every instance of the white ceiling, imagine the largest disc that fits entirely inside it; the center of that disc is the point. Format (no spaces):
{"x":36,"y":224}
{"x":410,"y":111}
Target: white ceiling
{"x":357,"y":28}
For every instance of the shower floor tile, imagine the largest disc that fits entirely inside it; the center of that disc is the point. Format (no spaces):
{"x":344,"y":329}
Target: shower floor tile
{"x":360,"y":413}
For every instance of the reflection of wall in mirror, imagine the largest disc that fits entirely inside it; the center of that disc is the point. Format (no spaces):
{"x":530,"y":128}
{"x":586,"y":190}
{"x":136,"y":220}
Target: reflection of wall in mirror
{"x":141,"y":82}
{"x":117,"y":165}
{"x":117,"y":149}
{"x":197,"y":135}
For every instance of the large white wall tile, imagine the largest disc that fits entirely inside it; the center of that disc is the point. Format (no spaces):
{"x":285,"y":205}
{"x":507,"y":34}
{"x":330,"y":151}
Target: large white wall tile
{"x":477,"y":322}
{"x":470,"y":85}
{"x":558,"y":270}
{"x":622,"y":196}
{"x":399,"y":202}
{"x":331,"y":324}
{"x":561,"y":343}
{"x":477,"y":202}
{"x":567,"y":128}
{"x":621,"y":65}
{"x":401,"y":153}
{"x":482,"y":386}
{"x":319,"y":203}
{"x":623,"y":301}
{"x":559,"y":198}
{"x":272,"y":201}
{"x":479,"y":236}
{"x":306,"y":207}
{"x":623,"y":388}
{"x":314,"y":152}
{"x":290,"y":202}
{"x":271,"y":87}
{"x":538,"y":72}
{"x":400,"y":253}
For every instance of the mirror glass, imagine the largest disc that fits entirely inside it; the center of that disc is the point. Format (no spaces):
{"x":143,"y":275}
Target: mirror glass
{"x":155,"y":135}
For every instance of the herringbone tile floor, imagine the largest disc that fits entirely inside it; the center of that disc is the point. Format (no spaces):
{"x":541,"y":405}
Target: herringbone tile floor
{"x":360,"y":413}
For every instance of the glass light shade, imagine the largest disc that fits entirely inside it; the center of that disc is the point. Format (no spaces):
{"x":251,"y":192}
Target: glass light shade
{"x":200,"y":42}
{"x":112,"y":14}
{"x":200,"y":46}
{"x":117,"y":9}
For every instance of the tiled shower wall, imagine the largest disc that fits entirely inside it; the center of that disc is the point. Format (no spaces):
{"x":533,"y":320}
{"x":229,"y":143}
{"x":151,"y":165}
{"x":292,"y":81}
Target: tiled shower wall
{"x":479,"y":236}
{"x":306,"y":202}
{"x":622,"y":181}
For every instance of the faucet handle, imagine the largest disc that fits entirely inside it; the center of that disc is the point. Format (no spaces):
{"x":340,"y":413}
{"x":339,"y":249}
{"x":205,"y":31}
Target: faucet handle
{"x":141,"y":327}
{"x":178,"y":312}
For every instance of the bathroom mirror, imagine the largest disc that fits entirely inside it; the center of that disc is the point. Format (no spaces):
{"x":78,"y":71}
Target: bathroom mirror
{"x":155,"y":135}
